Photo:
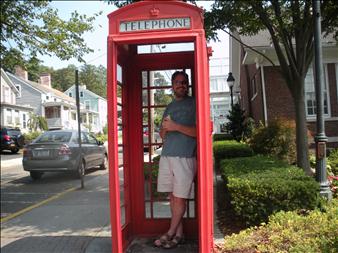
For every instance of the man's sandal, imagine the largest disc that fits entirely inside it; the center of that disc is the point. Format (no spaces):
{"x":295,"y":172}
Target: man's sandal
{"x":163,"y":239}
{"x":173,"y":243}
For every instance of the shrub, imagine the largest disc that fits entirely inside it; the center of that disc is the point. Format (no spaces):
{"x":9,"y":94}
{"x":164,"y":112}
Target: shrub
{"x":102,"y":137}
{"x":277,"y":139}
{"x":332,"y":161}
{"x":221,"y":137}
{"x":29,"y":137}
{"x":236,"y":125}
{"x":290,"y":232}
{"x":230,"y":149}
{"x":260,"y":186}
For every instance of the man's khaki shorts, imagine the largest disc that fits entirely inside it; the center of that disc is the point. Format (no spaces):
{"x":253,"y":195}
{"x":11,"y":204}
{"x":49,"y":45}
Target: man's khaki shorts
{"x":176,"y":175}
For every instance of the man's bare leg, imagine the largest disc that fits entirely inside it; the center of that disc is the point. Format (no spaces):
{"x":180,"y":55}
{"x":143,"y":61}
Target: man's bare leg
{"x":177,"y":206}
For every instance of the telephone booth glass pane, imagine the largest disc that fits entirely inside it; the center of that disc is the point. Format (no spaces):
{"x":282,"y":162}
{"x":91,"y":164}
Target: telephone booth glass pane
{"x":120,"y":125}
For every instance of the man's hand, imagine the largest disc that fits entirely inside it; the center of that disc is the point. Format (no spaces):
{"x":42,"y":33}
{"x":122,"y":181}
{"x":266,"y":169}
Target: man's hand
{"x":169,"y":125}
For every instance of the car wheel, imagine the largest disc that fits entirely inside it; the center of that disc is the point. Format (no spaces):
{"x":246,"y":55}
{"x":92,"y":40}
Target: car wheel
{"x":15,"y":150}
{"x":104,"y":165}
{"x":81,"y":170}
{"x":36,"y":175}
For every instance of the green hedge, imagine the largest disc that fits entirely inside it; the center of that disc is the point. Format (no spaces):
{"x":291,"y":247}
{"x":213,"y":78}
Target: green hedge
{"x":222,"y":137}
{"x":290,"y":232}
{"x":260,"y":186}
{"x":230,"y":149}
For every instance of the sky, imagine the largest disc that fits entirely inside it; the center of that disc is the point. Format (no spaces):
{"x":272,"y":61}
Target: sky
{"x":97,"y":39}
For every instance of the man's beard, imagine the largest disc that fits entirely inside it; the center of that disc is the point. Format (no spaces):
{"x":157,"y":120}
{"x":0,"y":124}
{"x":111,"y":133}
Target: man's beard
{"x":179,"y":94}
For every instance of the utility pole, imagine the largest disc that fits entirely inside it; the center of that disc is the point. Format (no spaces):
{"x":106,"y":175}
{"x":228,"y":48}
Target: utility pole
{"x":320,"y":137}
{"x":81,"y":168}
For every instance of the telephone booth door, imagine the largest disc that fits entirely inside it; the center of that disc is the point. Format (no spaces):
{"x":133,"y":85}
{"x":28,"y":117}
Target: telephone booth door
{"x":140,"y":64}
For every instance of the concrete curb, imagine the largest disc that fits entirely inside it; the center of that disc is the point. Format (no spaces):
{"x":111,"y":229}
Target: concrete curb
{"x":10,"y":162}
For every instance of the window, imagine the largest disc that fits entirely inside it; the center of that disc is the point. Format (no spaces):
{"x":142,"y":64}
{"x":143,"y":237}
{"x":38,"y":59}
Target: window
{"x":24,"y":123}
{"x":47,"y":97}
{"x":70,"y":94}
{"x":81,"y":94}
{"x":17,"y":117}
{"x":73,"y":116}
{"x":6,"y":95}
{"x":310,"y":94}
{"x":18,"y":87}
{"x":52,"y":112}
{"x":9,"y":116}
{"x":87,"y":104}
{"x":91,"y":139}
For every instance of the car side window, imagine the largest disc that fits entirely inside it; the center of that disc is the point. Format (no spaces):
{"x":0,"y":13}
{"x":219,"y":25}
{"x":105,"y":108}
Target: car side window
{"x":91,"y":139}
{"x":84,"y":138}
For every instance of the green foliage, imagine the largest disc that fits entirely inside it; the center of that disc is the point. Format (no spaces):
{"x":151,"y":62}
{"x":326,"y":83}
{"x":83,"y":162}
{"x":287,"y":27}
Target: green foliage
{"x":31,"y":136}
{"x":221,"y":137}
{"x":64,"y":78}
{"x":101,"y":137}
{"x":332,"y":161}
{"x":289,"y":25}
{"x":105,"y":129}
{"x":34,"y":27}
{"x":36,"y":122}
{"x":236,"y":126}
{"x":260,"y":186}
{"x":229,"y":149}
{"x":290,"y":232}
{"x":94,"y":78}
{"x":277,"y":139}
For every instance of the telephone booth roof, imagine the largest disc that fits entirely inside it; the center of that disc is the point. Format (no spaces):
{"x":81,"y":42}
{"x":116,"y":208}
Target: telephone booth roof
{"x":152,"y":11}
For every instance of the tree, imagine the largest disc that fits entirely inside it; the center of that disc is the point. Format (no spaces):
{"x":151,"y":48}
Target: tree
{"x":94,"y":78}
{"x":290,"y":25}
{"x":236,"y":124}
{"x":34,"y":27}
{"x":63,"y":78}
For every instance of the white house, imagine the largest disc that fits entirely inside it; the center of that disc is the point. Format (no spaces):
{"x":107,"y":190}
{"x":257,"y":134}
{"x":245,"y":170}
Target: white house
{"x":95,"y":114}
{"x":12,"y":114}
{"x":58,"y":108}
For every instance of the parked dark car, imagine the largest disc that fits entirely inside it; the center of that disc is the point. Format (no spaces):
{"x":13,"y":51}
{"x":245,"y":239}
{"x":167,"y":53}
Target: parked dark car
{"x":59,"y":151}
{"x":11,"y":139}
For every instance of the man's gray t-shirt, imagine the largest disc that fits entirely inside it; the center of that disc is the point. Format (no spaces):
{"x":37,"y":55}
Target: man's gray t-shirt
{"x":178,"y":144}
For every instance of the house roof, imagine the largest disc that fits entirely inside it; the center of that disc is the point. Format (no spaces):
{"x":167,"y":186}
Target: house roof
{"x":42,"y":88}
{"x":84,"y":90}
{"x":9,"y":81}
{"x":262,"y":42}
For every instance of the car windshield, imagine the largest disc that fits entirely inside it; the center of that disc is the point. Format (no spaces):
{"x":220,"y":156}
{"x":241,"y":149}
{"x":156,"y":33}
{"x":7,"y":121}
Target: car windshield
{"x":54,"y":137}
{"x":13,"y":132}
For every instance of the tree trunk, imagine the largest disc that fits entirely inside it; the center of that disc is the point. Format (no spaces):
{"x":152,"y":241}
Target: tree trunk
{"x":301,"y":133}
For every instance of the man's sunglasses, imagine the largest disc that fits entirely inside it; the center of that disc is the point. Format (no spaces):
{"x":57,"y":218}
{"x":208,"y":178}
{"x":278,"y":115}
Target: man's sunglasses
{"x":180,"y":82}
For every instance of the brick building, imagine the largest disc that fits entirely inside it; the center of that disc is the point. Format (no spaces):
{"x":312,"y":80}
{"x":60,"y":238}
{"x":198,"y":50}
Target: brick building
{"x":263,"y":91}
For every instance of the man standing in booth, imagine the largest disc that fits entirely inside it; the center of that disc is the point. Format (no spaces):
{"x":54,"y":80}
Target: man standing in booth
{"x":177,"y":166}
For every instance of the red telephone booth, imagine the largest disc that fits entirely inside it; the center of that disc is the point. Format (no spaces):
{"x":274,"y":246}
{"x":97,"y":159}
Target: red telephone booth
{"x":147,"y":42}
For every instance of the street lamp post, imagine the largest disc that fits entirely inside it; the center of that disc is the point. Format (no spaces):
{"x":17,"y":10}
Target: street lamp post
{"x":320,"y":137}
{"x":231,"y":81}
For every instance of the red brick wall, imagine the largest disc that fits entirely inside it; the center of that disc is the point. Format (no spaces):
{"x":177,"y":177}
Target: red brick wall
{"x":279,"y":100}
{"x":333,"y":89}
{"x":278,"y":97}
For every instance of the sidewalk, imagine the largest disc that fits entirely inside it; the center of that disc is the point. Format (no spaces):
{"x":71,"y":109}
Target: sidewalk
{"x":76,"y":222}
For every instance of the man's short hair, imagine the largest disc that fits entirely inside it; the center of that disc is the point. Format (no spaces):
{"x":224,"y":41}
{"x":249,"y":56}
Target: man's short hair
{"x":178,"y":72}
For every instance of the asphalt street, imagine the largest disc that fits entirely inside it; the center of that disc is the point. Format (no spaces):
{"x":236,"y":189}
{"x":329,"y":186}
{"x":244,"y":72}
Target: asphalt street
{"x":19,"y":191}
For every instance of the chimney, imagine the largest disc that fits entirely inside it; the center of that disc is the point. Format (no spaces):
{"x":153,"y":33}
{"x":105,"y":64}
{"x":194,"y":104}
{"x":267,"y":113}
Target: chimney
{"x":84,"y":87}
{"x":20,"y":72}
{"x":45,"y":79}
